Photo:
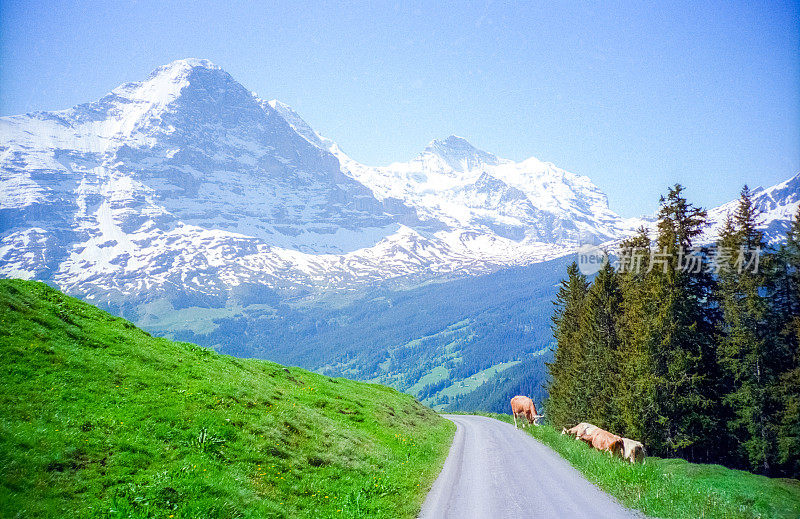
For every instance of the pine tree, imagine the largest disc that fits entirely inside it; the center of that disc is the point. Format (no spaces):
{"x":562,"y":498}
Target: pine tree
{"x":784,"y":299}
{"x":789,"y":427}
{"x":599,"y":331}
{"x":566,"y":403}
{"x":681,"y":336}
{"x":748,"y":348}
{"x":635,"y":395}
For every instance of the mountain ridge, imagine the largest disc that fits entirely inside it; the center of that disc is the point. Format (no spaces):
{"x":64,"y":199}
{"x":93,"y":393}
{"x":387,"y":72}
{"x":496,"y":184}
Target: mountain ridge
{"x":190,"y":156}
{"x":95,"y":197}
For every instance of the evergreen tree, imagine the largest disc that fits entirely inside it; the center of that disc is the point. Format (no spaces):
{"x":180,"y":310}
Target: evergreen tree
{"x":566,"y":402}
{"x":635,"y":395}
{"x":784,"y":299}
{"x":748,"y":348}
{"x":789,"y":427}
{"x":599,"y":331}
{"x":681,"y":335}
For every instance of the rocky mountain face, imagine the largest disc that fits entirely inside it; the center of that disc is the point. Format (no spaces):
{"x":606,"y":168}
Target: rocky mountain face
{"x":464,"y":190}
{"x":184,"y":178}
{"x":186,"y":184}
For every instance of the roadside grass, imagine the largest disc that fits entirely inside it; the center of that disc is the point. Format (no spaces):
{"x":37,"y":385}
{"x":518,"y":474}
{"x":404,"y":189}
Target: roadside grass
{"x":675,"y":488}
{"x":99,"y":419}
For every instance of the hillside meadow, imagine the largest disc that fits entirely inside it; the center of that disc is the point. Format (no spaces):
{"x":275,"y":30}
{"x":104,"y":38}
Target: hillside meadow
{"x":99,"y":419}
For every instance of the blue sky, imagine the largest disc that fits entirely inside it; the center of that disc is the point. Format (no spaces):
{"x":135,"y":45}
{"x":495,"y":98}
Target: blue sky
{"x":703,"y":93}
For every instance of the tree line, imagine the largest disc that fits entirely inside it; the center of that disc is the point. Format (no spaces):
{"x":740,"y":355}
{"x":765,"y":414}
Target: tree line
{"x":691,"y":349}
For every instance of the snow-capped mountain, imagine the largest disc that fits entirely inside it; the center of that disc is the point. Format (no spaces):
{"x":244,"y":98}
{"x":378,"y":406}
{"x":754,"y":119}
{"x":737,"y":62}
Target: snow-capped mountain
{"x":186,"y":184}
{"x":777,"y":206}
{"x":462,"y":187}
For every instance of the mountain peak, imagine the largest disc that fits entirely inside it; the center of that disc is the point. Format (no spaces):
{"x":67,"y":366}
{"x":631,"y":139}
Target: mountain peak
{"x":459,"y":154}
{"x":165,"y":83}
{"x":180,"y":67}
{"x":182,"y":70}
{"x":453,"y":142}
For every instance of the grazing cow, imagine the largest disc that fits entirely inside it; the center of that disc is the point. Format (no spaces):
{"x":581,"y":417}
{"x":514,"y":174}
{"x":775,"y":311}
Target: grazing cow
{"x":633,"y":451}
{"x":603,"y":440}
{"x":524,"y":407}
{"x":579,"y":430}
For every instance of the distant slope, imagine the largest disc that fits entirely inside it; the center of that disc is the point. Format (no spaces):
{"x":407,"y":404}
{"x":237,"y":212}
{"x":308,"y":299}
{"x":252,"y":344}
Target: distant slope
{"x":98,"y":418}
{"x":526,"y":378}
{"x":420,"y":340}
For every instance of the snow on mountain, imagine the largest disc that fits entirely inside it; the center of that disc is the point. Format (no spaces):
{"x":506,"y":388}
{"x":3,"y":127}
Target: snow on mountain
{"x":452,"y":182}
{"x":196,"y":144}
{"x":483,"y":205}
{"x":778,"y":205}
{"x":186,"y":181}
{"x":186,"y":184}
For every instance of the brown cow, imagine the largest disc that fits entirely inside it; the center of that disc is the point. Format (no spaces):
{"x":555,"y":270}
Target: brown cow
{"x":524,"y":407}
{"x":579,"y":430}
{"x":633,"y":451}
{"x":603,"y":440}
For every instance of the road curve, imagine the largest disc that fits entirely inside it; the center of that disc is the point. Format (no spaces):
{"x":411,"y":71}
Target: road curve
{"x":494,"y":472}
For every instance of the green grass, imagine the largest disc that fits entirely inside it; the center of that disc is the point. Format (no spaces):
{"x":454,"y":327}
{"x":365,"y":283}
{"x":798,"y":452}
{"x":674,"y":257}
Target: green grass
{"x":99,"y":419}
{"x":675,"y":488}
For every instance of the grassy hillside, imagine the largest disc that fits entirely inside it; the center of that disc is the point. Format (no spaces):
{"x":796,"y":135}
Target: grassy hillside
{"x":674,"y":488}
{"x":98,"y":418}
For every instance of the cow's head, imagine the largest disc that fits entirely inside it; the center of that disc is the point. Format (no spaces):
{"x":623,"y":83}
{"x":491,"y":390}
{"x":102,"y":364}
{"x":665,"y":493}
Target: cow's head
{"x":536,"y":418}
